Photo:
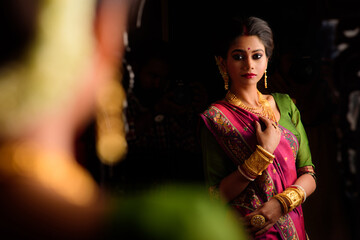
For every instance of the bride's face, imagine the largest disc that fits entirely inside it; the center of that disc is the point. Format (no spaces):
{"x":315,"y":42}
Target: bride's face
{"x":246,"y":61}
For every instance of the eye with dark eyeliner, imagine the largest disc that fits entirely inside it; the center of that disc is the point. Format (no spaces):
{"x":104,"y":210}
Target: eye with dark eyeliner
{"x":257,"y":56}
{"x":238,"y":57}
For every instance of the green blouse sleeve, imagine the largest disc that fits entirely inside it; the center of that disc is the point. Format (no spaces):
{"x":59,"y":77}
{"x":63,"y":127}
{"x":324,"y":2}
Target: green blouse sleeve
{"x":291,"y":119}
{"x":217,"y":165}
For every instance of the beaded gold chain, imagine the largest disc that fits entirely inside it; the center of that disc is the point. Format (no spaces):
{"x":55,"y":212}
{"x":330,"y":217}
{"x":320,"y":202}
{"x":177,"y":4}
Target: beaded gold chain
{"x":263,"y":110}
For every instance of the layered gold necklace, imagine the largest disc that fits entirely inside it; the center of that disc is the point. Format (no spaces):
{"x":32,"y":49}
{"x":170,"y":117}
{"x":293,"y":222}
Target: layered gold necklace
{"x":263,"y":110}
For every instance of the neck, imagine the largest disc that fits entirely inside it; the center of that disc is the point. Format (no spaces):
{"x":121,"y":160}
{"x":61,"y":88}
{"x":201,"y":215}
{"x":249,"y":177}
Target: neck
{"x":52,"y":134}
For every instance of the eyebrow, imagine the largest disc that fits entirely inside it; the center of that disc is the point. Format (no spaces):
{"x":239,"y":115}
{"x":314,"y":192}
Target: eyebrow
{"x":243,"y":51}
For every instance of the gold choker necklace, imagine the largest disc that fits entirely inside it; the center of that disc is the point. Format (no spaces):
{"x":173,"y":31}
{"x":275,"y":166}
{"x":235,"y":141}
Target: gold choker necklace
{"x":263,"y":110}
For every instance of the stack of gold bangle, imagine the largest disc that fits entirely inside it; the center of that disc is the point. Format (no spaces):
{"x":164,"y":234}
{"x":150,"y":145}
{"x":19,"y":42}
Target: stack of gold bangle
{"x":290,"y":198}
{"x":256,"y":163}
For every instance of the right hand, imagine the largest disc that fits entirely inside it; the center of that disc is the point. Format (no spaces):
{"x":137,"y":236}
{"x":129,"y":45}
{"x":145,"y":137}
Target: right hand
{"x":269,"y":138}
{"x":271,"y":210}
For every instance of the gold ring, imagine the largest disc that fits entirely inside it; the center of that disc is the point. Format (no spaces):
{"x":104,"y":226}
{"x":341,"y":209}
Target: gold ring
{"x":257,"y":221}
{"x":275,"y":126}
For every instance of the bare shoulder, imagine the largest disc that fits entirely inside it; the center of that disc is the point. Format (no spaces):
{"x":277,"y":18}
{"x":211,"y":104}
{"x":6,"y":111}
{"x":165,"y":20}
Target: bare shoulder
{"x":274,"y":106}
{"x":270,"y":99}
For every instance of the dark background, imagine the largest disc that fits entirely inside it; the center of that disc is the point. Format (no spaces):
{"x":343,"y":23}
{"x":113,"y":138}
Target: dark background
{"x":307,"y":64}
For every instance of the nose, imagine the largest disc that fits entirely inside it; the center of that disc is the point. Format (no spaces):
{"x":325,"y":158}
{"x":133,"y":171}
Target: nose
{"x":248,"y":63}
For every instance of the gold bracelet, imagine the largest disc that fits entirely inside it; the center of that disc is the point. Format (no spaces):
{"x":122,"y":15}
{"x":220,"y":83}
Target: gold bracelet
{"x":302,"y":190}
{"x":256,"y":163}
{"x":284,"y":205}
{"x":290,"y":198}
{"x":248,"y":169}
{"x":263,"y":156}
{"x":248,"y":177}
{"x":265,"y":152}
{"x":296,"y":197}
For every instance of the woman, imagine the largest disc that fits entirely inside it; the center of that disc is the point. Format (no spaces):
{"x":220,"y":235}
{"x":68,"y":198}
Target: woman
{"x":50,"y":73}
{"x":255,"y":147}
{"x":50,"y":81}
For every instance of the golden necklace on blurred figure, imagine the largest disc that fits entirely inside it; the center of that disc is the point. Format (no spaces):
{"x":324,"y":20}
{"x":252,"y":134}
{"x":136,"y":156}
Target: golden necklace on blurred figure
{"x":55,"y":171}
{"x":264,"y":110}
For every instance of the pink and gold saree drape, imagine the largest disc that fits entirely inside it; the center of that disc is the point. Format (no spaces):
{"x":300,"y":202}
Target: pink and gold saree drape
{"x":234,"y":130}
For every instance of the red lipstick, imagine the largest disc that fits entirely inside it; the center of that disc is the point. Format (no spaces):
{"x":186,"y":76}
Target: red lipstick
{"x":249,"y":75}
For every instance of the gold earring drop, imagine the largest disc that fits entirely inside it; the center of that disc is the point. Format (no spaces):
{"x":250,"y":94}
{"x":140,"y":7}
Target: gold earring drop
{"x":111,"y":143}
{"x":265,"y":80}
{"x":223,"y":73}
{"x":226,"y":80}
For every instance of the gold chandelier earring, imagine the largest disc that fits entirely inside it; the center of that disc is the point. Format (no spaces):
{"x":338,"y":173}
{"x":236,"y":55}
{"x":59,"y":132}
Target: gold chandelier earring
{"x":226,"y":80}
{"x":265,"y":79}
{"x":223,"y":73}
{"x":111,"y":143}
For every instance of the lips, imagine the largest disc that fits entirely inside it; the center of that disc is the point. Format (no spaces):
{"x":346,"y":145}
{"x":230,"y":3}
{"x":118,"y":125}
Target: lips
{"x":249,"y":75}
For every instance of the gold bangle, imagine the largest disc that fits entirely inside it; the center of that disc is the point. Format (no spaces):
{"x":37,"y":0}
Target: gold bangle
{"x":256,"y":163}
{"x":270,"y":160}
{"x":284,"y":205}
{"x":296,"y":197}
{"x":293,"y":196}
{"x":245,"y":175}
{"x":265,"y":152}
{"x":248,"y":169}
{"x":301,"y":190}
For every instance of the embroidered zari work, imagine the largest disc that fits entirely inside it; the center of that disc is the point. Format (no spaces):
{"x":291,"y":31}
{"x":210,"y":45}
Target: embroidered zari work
{"x":234,"y":131}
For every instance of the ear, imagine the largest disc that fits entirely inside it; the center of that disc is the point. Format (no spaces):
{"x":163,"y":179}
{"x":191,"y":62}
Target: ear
{"x":221,"y":62}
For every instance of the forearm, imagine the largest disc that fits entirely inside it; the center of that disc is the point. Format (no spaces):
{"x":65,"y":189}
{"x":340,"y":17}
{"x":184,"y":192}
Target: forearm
{"x":296,"y":194}
{"x":232,"y":186}
{"x":236,"y":182}
{"x":307,"y":182}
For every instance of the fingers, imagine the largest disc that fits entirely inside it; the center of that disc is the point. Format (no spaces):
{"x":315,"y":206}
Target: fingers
{"x":267,"y":124}
{"x":254,"y":229}
{"x":257,"y":126}
{"x":255,"y":221}
{"x":264,"y":229}
{"x":268,"y":134}
{"x":270,"y":125}
{"x":266,"y":121}
{"x":257,"y":227}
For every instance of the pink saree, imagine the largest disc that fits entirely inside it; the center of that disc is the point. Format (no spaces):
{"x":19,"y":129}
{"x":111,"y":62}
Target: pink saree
{"x":234,"y":130}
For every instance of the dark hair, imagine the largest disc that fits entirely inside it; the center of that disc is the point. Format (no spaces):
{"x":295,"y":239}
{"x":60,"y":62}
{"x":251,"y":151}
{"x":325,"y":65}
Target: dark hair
{"x":18,"y":27}
{"x":236,"y":27}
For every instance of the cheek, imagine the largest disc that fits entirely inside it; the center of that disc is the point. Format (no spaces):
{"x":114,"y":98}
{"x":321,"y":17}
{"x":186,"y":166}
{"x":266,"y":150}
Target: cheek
{"x":262,"y":68}
{"x":233,"y":71}
{"x":234,"y":66}
{"x":265,"y":64}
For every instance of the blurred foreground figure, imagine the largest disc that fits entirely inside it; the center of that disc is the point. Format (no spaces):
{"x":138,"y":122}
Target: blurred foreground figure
{"x":55,"y":56}
{"x":58,"y":57}
{"x":174,"y":212}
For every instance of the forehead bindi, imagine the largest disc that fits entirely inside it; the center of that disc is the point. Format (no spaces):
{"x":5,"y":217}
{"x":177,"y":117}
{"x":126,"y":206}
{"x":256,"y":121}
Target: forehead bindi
{"x":248,"y":44}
